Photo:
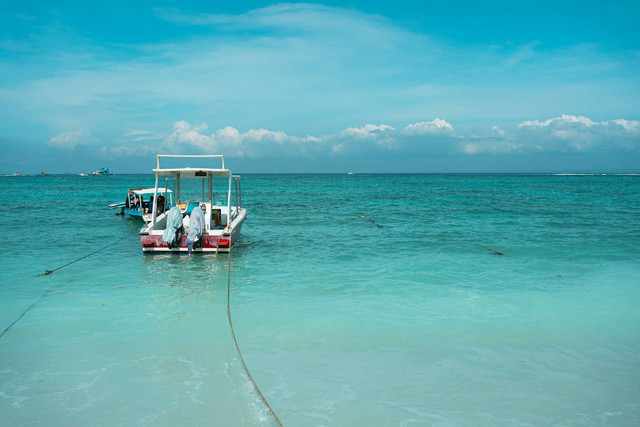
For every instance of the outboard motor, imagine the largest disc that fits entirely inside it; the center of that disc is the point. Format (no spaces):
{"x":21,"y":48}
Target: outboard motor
{"x":196,"y":229}
{"x":173,"y":233}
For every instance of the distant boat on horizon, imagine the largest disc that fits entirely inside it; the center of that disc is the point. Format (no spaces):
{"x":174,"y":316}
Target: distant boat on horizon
{"x":103,"y":171}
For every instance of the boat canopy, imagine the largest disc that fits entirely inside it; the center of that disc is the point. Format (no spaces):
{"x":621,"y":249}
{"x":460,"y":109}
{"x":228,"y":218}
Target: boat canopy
{"x":192,"y":173}
{"x":189,"y":172}
{"x":142,"y":191}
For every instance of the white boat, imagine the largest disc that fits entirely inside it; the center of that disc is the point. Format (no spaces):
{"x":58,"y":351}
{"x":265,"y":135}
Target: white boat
{"x":208,"y":222}
{"x":139,"y":202}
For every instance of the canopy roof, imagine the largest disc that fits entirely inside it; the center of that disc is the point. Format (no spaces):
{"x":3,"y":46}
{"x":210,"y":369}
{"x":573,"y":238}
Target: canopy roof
{"x":148,"y":190}
{"x":192,"y":173}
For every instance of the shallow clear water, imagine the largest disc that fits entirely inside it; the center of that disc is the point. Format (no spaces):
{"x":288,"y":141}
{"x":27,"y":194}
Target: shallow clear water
{"x":413,"y":318}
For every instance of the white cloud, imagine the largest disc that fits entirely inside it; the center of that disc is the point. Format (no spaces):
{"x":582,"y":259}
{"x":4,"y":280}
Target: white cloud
{"x":568,"y":133}
{"x":563,"y":134}
{"x":435,"y":127}
{"x":69,"y":140}
{"x":367,"y":131}
{"x":490,"y":146}
{"x":561,"y":121}
{"x":142,"y":135}
{"x":254,"y":143}
{"x":436,"y":138}
{"x":628,"y":125}
{"x":497,"y":131}
{"x":299,"y":18}
{"x":258,"y":143}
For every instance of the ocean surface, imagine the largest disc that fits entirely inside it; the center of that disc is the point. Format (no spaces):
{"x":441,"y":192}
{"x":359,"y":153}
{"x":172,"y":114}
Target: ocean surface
{"x":357,"y":300}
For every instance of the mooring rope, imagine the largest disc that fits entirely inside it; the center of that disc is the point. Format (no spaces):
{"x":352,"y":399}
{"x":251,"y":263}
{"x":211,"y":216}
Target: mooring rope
{"x":25,"y":312}
{"x":48,"y":272}
{"x":493,"y":251}
{"x":371,"y":220}
{"x":233,"y":334}
{"x":255,"y":386}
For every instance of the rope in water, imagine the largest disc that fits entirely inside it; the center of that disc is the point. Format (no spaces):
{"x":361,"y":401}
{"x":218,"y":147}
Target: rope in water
{"x":47,"y":272}
{"x":255,"y":386}
{"x":25,"y":312}
{"x":493,"y":251}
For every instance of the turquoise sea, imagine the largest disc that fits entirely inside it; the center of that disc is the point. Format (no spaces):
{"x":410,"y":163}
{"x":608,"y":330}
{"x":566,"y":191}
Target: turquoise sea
{"x":456,"y":300}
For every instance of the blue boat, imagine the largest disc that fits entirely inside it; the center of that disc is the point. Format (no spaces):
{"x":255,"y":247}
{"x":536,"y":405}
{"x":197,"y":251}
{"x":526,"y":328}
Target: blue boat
{"x":139,"y":203}
{"x":103,"y":171}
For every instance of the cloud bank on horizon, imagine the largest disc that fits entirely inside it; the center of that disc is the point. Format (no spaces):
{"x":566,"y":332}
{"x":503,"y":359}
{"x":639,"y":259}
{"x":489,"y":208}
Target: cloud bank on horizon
{"x":563,"y":134}
{"x":293,"y":81}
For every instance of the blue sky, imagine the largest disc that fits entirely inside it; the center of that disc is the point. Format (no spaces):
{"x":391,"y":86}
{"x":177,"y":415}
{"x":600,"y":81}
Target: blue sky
{"x":457,"y":86}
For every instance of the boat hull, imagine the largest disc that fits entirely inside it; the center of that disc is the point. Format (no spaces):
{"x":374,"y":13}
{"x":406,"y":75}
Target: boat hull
{"x":134,"y":214}
{"x":152,"y":243}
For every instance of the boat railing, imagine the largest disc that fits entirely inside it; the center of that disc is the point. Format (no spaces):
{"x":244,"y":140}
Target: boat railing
{"x":232,"y":213}
{"x":238,"y":199}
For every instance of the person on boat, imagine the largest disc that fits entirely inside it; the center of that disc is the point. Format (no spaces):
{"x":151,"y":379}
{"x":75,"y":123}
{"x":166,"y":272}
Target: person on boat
{"x":160,"y":206}
{"x":150,"y":204}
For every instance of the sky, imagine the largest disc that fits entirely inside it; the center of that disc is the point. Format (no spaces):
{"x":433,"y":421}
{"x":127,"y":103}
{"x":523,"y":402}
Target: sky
{"x":321,"y":87}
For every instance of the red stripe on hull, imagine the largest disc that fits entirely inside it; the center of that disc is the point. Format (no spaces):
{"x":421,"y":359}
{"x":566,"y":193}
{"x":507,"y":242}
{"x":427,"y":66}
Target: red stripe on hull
{"x":152,"y":243}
